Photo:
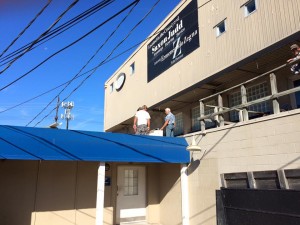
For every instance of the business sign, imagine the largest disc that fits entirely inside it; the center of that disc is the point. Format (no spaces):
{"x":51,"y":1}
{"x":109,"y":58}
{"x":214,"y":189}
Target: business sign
{"x":178,"y":39}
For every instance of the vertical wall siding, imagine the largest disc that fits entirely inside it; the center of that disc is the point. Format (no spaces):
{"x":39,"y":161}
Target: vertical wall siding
{"x":271,"y":22}
{"x":244,"y":36}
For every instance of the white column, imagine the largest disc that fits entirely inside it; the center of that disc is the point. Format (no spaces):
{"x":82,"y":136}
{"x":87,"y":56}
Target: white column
{"x":184,"y":196}
{"x":100,"y":194}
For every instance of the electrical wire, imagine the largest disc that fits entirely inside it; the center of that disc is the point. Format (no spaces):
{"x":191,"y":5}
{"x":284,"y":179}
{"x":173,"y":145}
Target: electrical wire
{"x":82,"y":68}
{"x":74,"y":42}
{"x":101,"y":63}
{"x":107,"y":61}
{"x":46,"y":92}
{"x":23,"y":31}
{"x":59,"y":30}
{"x":42,"y":35}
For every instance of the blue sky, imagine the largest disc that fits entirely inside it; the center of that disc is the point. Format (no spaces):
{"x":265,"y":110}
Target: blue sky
{"x":89,"y":98}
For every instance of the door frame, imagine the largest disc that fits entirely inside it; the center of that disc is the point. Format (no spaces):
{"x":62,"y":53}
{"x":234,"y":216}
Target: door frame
{"x":117,"y":187}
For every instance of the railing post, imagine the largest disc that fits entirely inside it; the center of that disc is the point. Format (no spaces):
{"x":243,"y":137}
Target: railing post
{"x":251,"y":180}
{"x":202,"y":122}
{"x":220,"y":104}
{"x":216,"y":117}
{"x":241,"y":115}
{"x":244,"y":101}
{"x":282,"y":179}
{"x":276,"y":108}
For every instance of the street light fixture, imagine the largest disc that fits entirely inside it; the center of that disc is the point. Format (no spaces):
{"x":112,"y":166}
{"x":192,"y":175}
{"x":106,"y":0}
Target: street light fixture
{"x":193,"y":146}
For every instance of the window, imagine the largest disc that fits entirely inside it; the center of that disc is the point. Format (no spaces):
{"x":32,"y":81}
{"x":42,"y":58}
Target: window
{"x":132,"y":69}
{"x":220,"y":28}
{"x":196,"y":115}
{"x":297,"y":94}
{"x":254,"y":92}
{"x":130,"y":182}
{"x":111,"y":87}
{"x":195,"y":121}
{"x":207,"y":111}
{"x":250,"y":7}
{"x":178,"y":124}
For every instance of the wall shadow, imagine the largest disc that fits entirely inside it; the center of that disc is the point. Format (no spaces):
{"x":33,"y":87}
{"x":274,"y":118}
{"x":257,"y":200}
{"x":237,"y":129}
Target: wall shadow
{"x":32,"y":189}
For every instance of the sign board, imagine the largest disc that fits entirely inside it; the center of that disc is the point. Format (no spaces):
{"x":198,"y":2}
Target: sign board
{"x":178,"y":39}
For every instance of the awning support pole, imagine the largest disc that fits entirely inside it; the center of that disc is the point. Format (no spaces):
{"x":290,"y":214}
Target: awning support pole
{"x":100,"y":194}
{"x":184,"y":196}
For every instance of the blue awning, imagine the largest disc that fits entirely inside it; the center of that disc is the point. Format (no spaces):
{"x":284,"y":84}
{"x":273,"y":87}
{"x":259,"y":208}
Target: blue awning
{"x":27,"y":143}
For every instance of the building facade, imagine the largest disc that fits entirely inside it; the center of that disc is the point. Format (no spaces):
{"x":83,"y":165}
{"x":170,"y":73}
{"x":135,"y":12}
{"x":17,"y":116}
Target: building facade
{"x":221,"y":68}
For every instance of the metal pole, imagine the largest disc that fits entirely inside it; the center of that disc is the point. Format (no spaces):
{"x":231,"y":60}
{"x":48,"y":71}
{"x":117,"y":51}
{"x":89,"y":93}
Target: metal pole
{"x":100,"y":194}
{"x":67,"y":124}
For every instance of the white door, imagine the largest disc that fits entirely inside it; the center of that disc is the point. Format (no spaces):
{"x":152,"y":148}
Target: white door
{"x":131,"y":196}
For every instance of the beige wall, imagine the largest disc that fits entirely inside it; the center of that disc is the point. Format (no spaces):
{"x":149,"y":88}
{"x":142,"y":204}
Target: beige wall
{"x":49,"y":192}
{"x":244,"y":37}
{"x":267,"y":143}
{"x":153,"y":197}
{"x":64,"y":193}
{"x":170,"y":194}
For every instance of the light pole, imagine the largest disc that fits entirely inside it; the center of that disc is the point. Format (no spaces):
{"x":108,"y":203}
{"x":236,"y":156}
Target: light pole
{"x":68,"y":116}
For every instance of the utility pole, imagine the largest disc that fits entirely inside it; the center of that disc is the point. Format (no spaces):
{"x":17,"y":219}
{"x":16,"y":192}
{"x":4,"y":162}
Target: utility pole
{"x":68,"y":107}
{"x":56,"y":124}
{"x":56,"y":113}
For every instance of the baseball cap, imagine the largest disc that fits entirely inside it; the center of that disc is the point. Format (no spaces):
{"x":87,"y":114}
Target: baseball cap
{"x":294,"y":46}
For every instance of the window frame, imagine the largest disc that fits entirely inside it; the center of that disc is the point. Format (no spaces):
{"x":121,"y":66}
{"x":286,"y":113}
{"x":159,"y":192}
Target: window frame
{"x":111,"y":87}
{"x":178,"y":124}
{"x":245,"y":7}
{"x":132,"y":68}
{"x":234,"y":114}
{"x":217,"y":27}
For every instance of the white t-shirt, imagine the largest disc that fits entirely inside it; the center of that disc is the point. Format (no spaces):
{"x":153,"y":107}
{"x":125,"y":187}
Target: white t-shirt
{"x":142,"y":117}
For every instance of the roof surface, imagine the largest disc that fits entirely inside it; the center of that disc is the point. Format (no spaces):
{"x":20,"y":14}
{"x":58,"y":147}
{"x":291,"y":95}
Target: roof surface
{"x":27,"y":143}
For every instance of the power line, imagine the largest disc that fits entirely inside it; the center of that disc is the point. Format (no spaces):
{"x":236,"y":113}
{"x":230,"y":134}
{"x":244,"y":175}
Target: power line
{"x":101,"y":63}
{"x":46,"y":92}
{"x":42,"y":35}
{"x":59,"y":30}
{"x":106,"y":61}
{"x":93,"y":56}
{"x":23,"y":31}
{"x":74,"y":42}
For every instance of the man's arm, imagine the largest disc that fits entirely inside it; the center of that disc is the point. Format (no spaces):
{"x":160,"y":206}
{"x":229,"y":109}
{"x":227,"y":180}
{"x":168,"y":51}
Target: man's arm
{"x":293,"y":59}
{"x":134,"y":123}
{"x":165,"y":124}
{"x":148,"y":124}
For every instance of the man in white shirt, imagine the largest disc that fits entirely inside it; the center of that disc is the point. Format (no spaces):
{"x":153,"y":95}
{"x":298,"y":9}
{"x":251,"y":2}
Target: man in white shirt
{"x":141,"y":123}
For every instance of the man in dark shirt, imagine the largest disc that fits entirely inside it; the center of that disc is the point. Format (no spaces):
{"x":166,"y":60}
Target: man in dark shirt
{"x":295,"y":68}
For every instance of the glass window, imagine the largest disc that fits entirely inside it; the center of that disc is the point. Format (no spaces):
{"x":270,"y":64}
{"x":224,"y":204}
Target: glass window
{"x":132,"y":69}
{"x":297,"y":94}
{"x":254,"y":92}
{"x":178,"y":124}
{"x":130,"y":182}
{"x":207,"y":111}
{"x":196,"y":114}
{"x":250,"y":7}
{"x":220,"y":28}
{"x":235,"y":99}
{"x":111,"y":87}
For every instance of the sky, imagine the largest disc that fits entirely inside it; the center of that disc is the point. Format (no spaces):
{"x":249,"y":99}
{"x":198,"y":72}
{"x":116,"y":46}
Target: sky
{"x":33,"y":80}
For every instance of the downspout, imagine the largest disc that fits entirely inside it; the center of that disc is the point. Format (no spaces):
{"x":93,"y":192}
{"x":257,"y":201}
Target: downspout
{"x":100,"y":194}
{"x":185,"y":212}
